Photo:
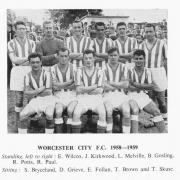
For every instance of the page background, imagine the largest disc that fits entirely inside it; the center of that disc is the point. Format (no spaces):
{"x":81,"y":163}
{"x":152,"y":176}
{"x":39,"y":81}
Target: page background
{"x":14,"y":143}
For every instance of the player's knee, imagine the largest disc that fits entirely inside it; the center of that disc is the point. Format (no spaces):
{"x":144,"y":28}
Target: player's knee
{"x":26,"y":112}
{"x":22,"y":115}
{"x":49,"y":112}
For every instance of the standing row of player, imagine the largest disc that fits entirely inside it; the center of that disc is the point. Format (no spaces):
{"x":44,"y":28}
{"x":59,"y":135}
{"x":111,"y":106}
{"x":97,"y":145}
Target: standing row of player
{"x":20,"y":47}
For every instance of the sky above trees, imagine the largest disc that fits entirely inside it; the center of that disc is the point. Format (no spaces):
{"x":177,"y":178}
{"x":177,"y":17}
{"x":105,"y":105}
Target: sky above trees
{"x":150,"y":15}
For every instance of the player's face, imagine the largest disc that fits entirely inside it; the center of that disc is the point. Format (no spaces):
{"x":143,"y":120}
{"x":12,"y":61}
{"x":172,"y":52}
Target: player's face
{"x":63,"y":57}
{"x":77,"y":28}
{"x":48,"y":30}
{"x":139,"y":60}
{"x":35,"y":64}
{"x":139,"y":39}
{"x":100,"y":31}
{"x":149,"y":32}
{"x":113,"y":57}
{"x":159,"y":34}
{"x":21,"y":31}
{"x":88,"y":60}
{"x":165,"y":34}
{"x":121,"y":30}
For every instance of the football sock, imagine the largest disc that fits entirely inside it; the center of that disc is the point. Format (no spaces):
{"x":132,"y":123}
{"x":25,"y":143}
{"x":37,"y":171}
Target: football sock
{"x":49,"y":126}
{"x":126,"y":122}
{"x":68,"y":125}
{"x":159,"y":123}
{"x":101,"y":127}
{"x":58,"y":126}
{"x":134,"y":123}
{"x":22,"y":131}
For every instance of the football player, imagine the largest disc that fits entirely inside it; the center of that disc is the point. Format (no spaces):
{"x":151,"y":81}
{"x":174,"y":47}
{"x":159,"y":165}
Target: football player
{"x":77,"y":44}
{"x":49,"y":46}
{"x":38,"y":89}
{"x":156,"y":61}
{"x":18,"y":49}
{"x":64,"y":89}
{"x":89,"y":82}
{"x":101,"y":45}
{"x":125,"y":44}
{"x":140,"y":81}
{"x":116,"y":81}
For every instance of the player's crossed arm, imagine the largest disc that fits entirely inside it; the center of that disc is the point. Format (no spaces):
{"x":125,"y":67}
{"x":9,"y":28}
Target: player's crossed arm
{"x":14,"y":59}
{"x":81,"y":89}
{"x":18,"y":60}
{"x":33,"y":92}
{"x":47,"y":60}
{"x":144,"y":86}
{"x":100,"y":83}
{"x":76,"y":56}
{"x":101,"y":55}
{"x":126,"y":57}
{"x":57,"y":86}
{"x":107,"y":86}
{"x":136,"y":86}
{"x":120,"y":85}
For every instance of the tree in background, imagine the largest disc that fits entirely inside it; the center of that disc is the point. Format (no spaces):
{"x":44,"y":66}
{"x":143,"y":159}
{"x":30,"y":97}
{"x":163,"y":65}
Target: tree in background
{"x":66,"y":16}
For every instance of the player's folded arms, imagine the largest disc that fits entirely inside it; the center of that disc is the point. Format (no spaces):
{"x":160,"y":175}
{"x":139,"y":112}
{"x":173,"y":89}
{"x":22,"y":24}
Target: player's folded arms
{"x":58,"y":86}
{"x":42,"y":91}
{"x":120,"y":85}
{"x":77,"y":56}
{"x":143,"y":86}
{"x":96,"y":91}
{"x":83,"y":90}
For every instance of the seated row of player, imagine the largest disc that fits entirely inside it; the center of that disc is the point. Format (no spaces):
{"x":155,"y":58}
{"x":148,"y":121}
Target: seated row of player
{"x":89,"y":88}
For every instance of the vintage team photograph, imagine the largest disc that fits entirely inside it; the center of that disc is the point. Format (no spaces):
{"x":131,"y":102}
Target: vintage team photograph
{"x":87,"y":71}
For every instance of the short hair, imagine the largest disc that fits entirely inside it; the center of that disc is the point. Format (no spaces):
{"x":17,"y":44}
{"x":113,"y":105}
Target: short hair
{"x":149,"y":25}
{"x":19,"y":23}
{"x":78,"y":21}
{"x":88,"y":51}
{"x":47,"y":22}
{"x":112,"y":49}
{"x":63,"y":49}
{"x":100,"y":24}
{"x":34,"y":55}
{"x":121,"y":24}
{"x":139,"y":52}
